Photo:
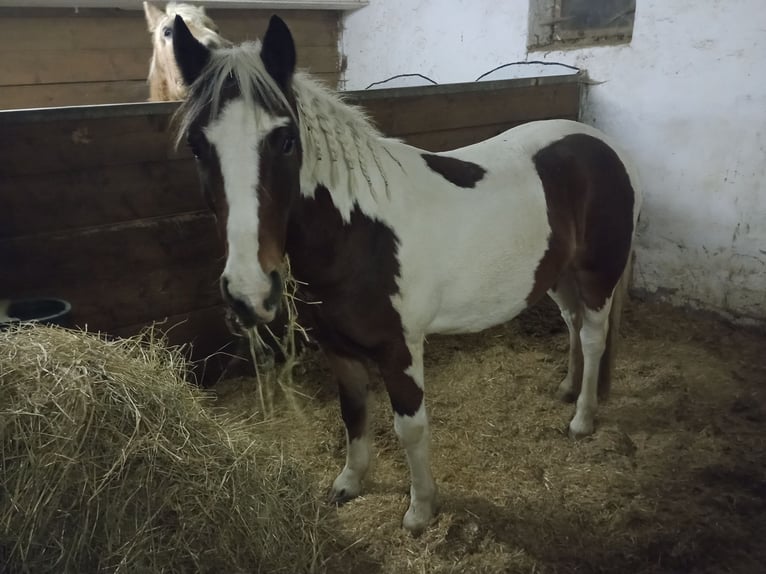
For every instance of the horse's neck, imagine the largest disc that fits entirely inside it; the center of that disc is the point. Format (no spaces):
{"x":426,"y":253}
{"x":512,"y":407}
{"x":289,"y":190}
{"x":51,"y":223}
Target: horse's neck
{"x":328,"y":253}
{"x":342,"y":151}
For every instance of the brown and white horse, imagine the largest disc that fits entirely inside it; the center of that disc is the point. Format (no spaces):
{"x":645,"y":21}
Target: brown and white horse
{"x":394,"y":243}
{"x":165,"y":81}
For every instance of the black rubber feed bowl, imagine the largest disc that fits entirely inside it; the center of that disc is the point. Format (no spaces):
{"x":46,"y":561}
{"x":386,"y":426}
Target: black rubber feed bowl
{"x":47,"y":311}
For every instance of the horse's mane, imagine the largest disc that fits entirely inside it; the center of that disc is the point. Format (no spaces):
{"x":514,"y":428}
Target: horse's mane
{"x":191,"y":13}
{"x":341,"y":148}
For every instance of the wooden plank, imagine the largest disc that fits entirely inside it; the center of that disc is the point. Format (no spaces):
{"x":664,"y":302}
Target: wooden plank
{"x":108,"y":304}
{"x":19,"y":67}
{"x":100,"y":254}
{"x":53,"y":66}
{"x":45,"y":203}
{"x":29,"y":31}
{"x":87,"y":143}
{"x":320,"y":59}
{"x":443,"y":140}
{"x":308,"y":27}
{"x":409,"y":115}
{"x":78,"y":94}
{"x":35,"y":30}
{"x":92,"y":93}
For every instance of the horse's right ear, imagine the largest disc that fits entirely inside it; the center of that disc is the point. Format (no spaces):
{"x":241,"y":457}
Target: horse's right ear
{"x":191,"y":55}
{"x":153,"y":15}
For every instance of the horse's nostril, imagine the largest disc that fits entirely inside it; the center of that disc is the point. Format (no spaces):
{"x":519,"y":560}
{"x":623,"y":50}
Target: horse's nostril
{"x":275,"y":295}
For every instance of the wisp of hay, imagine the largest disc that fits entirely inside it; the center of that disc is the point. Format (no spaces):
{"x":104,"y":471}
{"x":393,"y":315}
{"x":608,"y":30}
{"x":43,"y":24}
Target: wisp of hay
{"x":270,"y":376}
{"x":112,"y":462}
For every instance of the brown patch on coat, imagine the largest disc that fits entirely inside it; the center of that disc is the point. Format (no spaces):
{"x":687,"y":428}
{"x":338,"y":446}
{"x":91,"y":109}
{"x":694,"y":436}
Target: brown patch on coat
{"x":590,"y":211}
{"x":458,"y":172}
{"x":278,"y":182}
{"x":350,"y":271}
{"x":352,"y":378}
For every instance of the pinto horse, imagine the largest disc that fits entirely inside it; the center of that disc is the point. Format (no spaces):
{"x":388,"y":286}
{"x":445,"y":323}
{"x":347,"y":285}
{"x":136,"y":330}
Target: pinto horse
{"x":394,"y":243}
{"x":165,"y":81}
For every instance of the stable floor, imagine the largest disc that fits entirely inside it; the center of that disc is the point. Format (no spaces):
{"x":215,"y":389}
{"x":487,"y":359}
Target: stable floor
{"x":673,"y":480}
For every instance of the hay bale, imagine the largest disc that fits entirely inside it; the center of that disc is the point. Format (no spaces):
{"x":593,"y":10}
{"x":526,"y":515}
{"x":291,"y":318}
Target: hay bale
{"x":111,"y":462}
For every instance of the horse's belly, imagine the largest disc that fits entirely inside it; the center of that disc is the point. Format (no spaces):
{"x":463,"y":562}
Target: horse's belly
{"x":477,"y":278}
{"x":484,"y":297}
{"x":468,"y":259}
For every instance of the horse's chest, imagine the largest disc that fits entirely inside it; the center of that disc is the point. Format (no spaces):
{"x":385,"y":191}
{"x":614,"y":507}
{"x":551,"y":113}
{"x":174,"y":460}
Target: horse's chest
{"x":349,"y":321}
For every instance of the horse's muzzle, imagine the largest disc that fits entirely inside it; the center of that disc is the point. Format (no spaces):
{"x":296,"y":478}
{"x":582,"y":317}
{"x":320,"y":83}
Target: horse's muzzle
{"x":250,"y":315}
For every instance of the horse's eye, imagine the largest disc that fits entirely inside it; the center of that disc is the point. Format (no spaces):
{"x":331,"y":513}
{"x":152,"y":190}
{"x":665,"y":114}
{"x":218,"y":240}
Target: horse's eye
{"x":288,"y":145}
{"x":167,"y":31}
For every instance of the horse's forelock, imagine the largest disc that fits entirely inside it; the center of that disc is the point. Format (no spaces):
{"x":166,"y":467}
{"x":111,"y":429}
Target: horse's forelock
{"x":191,"y":14}
{"x":243,"y":64}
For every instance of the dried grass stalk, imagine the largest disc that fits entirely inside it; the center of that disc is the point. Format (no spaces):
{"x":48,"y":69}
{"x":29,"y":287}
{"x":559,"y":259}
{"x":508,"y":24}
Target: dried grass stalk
{"x":112,"y":462}
{"x":268,"y":374}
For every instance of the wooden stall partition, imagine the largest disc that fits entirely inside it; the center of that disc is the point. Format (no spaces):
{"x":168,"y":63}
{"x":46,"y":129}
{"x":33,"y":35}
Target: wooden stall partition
{"x":58,"y":57}
{"x":438,"y":118}
{"x":97,"y":207}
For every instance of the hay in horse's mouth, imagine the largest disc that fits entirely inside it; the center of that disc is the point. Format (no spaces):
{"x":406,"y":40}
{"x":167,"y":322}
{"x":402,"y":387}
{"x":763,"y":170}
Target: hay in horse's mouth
{"x":269,"y":375}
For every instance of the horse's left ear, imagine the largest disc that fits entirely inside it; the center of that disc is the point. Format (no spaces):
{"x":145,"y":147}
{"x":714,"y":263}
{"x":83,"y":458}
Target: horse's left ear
{"x":153,"y":15}
{"x":191,"y":55}
{"x":278,"y":52}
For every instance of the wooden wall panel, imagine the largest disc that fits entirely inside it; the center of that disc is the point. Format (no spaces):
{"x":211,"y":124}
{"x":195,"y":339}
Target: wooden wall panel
{"x":439,"y":118}
{"x":98,"y":208}
{"x":40,"y":203}
{"x":61,"y":58}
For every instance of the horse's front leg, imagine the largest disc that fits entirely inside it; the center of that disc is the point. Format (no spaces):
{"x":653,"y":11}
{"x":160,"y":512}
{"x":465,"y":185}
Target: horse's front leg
{"x":402,"y":370}
{"x":352,"y":389}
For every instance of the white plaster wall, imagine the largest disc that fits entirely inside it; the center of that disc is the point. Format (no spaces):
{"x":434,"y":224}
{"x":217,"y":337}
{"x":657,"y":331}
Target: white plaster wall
{"x":687,"y":98}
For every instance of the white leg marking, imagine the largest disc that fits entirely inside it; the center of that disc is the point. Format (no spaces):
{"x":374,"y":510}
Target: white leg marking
{"x":348,"y":484}
{"x":593,"y":339}
{"x":566,"y":387}
{"x":414,"y":435}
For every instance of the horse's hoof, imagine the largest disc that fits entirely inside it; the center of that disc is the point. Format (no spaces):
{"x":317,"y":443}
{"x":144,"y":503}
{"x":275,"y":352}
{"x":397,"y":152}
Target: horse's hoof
{"x":580,"y":429}
{"x":414,"y":524}
{"x":419,"y":516}
{"x":339,"y":497}
{"x":344,"y":489}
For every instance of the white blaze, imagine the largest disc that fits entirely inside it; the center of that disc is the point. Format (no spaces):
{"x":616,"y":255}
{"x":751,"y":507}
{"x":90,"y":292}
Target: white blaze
{"x":236,"y":135}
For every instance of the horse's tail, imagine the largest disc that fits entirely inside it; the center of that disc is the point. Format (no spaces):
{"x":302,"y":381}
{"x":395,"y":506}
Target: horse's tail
{"x":612,"y":336}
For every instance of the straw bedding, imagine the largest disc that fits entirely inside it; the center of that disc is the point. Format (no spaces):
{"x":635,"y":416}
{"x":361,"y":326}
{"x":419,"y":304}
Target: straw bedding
{"x":673,"y":480}
{"x":112,"y":462}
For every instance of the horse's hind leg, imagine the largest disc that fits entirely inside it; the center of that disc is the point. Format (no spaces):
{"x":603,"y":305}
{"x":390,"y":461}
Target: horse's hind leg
{"x":352,"y":389}
{"x":596,"y":309}
{"x":567,"y":298}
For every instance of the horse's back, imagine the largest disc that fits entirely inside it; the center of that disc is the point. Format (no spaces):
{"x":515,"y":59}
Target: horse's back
{"x":549,"y":190}
{"x":530,"y":138}
{"x":554,"y":146}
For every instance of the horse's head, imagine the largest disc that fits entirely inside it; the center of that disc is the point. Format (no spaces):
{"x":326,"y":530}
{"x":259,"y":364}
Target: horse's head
{"x":165,"y":79}
{"x":241,"y":122}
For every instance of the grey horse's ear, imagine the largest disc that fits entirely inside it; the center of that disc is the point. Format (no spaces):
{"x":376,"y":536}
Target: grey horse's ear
{"x":191,"y":55}
{"x":153,"y":15}
{"x":278,"y":52}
